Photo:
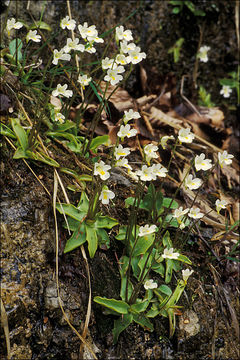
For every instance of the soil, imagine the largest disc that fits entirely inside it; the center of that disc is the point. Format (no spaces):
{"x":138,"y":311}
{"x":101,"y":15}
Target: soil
{"x":38,"y":330}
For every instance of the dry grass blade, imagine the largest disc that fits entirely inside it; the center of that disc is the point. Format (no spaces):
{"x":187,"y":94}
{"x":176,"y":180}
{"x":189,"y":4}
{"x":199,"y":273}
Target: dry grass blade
{"x":4,"y":323}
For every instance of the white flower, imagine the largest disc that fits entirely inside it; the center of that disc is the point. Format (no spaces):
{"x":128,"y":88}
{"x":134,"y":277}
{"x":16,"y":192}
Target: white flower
{"x":224,"y":158}
{"x":32,"y":35}
{"x":126,"y":47}
{"x":146,"y":173}
{"x":108,"y":64}
{"x":164,"y":140}
{"x":149,"y":285}
{"x":150,"y":152}
{"x":147,"y":230}
{"x":106,"y":195}
{"x":60,"y":55}
{"x":123,"y":35}
{"x":120,"y":151}
{"x":192,"y":183}
{"x":59,"y":117}
{"x":62,"y":91}
{"x":12,"y":24}
{"x":67,"y":23}
{"x":96,"y":39}
{"x":125,"y":130}
{"x":195,"y":213}
{"x":179,"y":213}
{"x":122,"y":162}
{"x":186,"y":273}
{"x":226,"y":91}
{"x":121,"y":59}
{"x":87,"y":31}
{"x":129,"y":115}
{"x":135,"y":56}
{"x":133,"y":175}
{"x":73,"y":45}
{"x":159,"y":170}
{"x":113,"y":76}
{"x":101,"y":169}
{"x":185,"y":136}
{"x":90,"y":49}
{"x":169,"y":254}
{"x":201,"y":163}
{"x":203,"y":53}
{"x":220,"y":204}
{"x":84,"y":80}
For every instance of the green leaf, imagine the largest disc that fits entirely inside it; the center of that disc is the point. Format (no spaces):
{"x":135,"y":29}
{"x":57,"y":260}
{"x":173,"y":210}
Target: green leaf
{"x":41,"y":157}
{"x":77,"y":239}
{"x":71,"y":210}
{"x":184,"y":259}
{"x":15,"y":46}
{"x":169,"y":269}
{"x":143,"y":321}
{"x":159,"y":269}
{"x":40,"y":25}
{"x":124,"y":264}
{"x":147,"y":203}
{"x":72,"y":224}
{"x":4,"y":130}
{"x":129,"y":201}
{"x":103,"y":239}
{"x":120,"y":325}
{"x":20,"y":133}
{"x":20,"y":154}
{"x":153,"y":312}
{"x":165,"y":290}
{"x":139,"y":307}
{"x":80,"y":178}
{"x":99,"y":140}
{"x":92,"y":239}
{"x":199,"y":13}
{"x":143,"y":244}
{"x":159,"y":201}
{"x":121,"y":307}
{"x":105,"y":222}
{"x":67,"y":136}
{"x":121,"y":233}
{"x":167,"y":242}
{"x":83,"y":203}
{"x":176,"y":10}
{"x":64,"y":127}
{"x":167,"y":201}
{"x":142,"y":263}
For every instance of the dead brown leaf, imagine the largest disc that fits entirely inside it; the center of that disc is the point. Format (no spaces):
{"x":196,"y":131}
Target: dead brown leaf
{"x":120,"y":98}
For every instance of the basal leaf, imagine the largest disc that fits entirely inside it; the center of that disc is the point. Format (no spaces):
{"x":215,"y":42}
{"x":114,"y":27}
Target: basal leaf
{"x":15,"y":47}
{"x":143,"y":244}
{"x":40,"y":25}
{"x":20,"y":133}
{"x":105,"y":222}
{"x":83,"y":203}
{"x":166,"y":290}
{"x":4,"y":130}
{"x":99,"y":140}
{"x":121,"y":307}
{"x":139,"y":307}
{"x":120,"y":325}
{"x":77,"y":239}
{"x":167,"y":201}
{"x":92,"y":239}
{"x":143,"y":321}
{"x":71,"y":210}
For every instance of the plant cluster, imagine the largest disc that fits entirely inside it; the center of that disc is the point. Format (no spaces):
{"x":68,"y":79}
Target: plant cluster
{"x":149,"y":255}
